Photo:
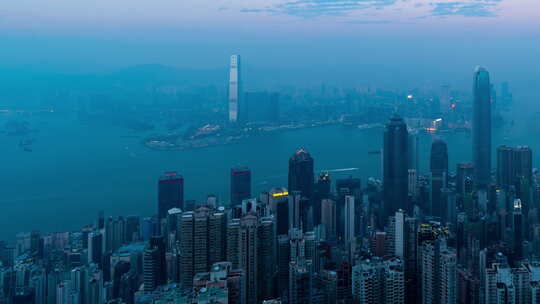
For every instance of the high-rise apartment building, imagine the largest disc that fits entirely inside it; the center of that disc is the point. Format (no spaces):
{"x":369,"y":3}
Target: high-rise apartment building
{"x":439,"y":266}
{"x":376,"y":281}
{"x":300,"y":282}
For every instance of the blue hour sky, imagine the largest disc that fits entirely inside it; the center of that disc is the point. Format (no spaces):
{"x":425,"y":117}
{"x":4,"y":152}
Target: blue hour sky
{"x":405,"y":39}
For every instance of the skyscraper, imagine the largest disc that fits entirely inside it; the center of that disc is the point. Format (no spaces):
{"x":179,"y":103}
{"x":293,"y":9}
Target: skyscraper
{"x":233,"y":232}
{"x":248,"y":255}
{"x":464,"y":171}
{"x":439,"y":173}
{"x":518,"y":230}
{"x":154,"y":264}
{"x":217,"y":236}
{"x":235,"y":88}
{"x":186,"y":248}
{"x":95,"y":247}
{"x":395,"y":167}
{"x":294,"y":211}
{"x":240,"y":184}
{"x":301,"y":174}
{"x":512,"y":165}
{"x":481,"y":127}
{"x":321,"y":191}
{"x":349,"y":220}
{"x":399,"y":234}
{"x":328,"y":217}
{"x":170,"y":193}
{"x":300,"y":282}
{"x":266,"y":258}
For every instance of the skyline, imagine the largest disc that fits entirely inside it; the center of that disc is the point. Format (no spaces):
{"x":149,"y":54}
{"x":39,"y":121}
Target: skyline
{"x":274,"y":152}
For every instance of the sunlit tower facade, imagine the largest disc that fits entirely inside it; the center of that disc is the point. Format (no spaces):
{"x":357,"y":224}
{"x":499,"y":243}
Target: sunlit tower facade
{"x":481,"y":127}
{"x":235,"y":88}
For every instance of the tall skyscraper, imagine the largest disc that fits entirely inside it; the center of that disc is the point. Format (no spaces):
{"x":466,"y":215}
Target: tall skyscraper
{"x":518,"y":230}
{"x":170,"y":193}
{"x":248,"y":254}
{"x":349,"y":231}
{"x":513,"y":164}
{"x":186,"y":248}
{"x":154,"y":264}
{"x":322,"y":191}
{"x":200,"y":240}
{"x":217,"y":236}
{"x":233,"y":232}
{"x":240,"y":184}
{"x":328,"y":217}
{"x":439,"y":173}
{"x":95,"y":247}
{"x":464,"y":171}
{"x":399,"y":234}
{"x":294,"y":210}
{"x":395,"y":167}
{"x":481,"y":126}
{"x":266,"y":258}
{"x":283,"y":258}
{"x":235,"y":88}
{"x":301,"y":174}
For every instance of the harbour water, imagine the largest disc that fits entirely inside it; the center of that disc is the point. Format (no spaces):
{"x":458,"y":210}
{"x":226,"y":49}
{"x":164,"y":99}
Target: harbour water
{"x":77,"y":168}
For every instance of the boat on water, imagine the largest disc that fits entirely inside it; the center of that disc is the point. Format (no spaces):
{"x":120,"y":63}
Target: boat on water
{"x":368,"y":126}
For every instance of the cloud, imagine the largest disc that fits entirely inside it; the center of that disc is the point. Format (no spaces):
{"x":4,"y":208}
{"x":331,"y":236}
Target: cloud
{"x":415,"y":9}
{"x":316,"y":8}
{"x":258,"y":10}
{"x":368,"y":21}
{"x":474,"y":8}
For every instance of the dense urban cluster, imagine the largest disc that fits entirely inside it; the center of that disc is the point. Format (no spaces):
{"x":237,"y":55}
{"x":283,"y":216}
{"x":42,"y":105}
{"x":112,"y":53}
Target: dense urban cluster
{"x":467,"y":236}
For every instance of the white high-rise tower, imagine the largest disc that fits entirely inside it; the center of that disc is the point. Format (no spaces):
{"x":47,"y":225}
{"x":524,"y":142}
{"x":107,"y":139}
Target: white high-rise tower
{"x":235,"y":88}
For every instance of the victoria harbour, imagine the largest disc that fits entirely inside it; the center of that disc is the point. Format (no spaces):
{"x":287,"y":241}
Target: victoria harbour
{"x":87,"y":167}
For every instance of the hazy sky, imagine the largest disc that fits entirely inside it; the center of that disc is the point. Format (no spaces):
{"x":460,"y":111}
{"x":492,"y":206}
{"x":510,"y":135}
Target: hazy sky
{"x":405,"y":39}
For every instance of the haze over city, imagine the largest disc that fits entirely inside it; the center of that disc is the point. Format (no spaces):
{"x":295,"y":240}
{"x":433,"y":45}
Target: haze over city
{"x":355,"y":42}
{"x":269,"y":151}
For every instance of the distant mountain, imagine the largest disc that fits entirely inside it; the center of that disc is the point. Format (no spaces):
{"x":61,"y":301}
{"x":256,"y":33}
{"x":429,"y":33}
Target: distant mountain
{"x":159,"y":74}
